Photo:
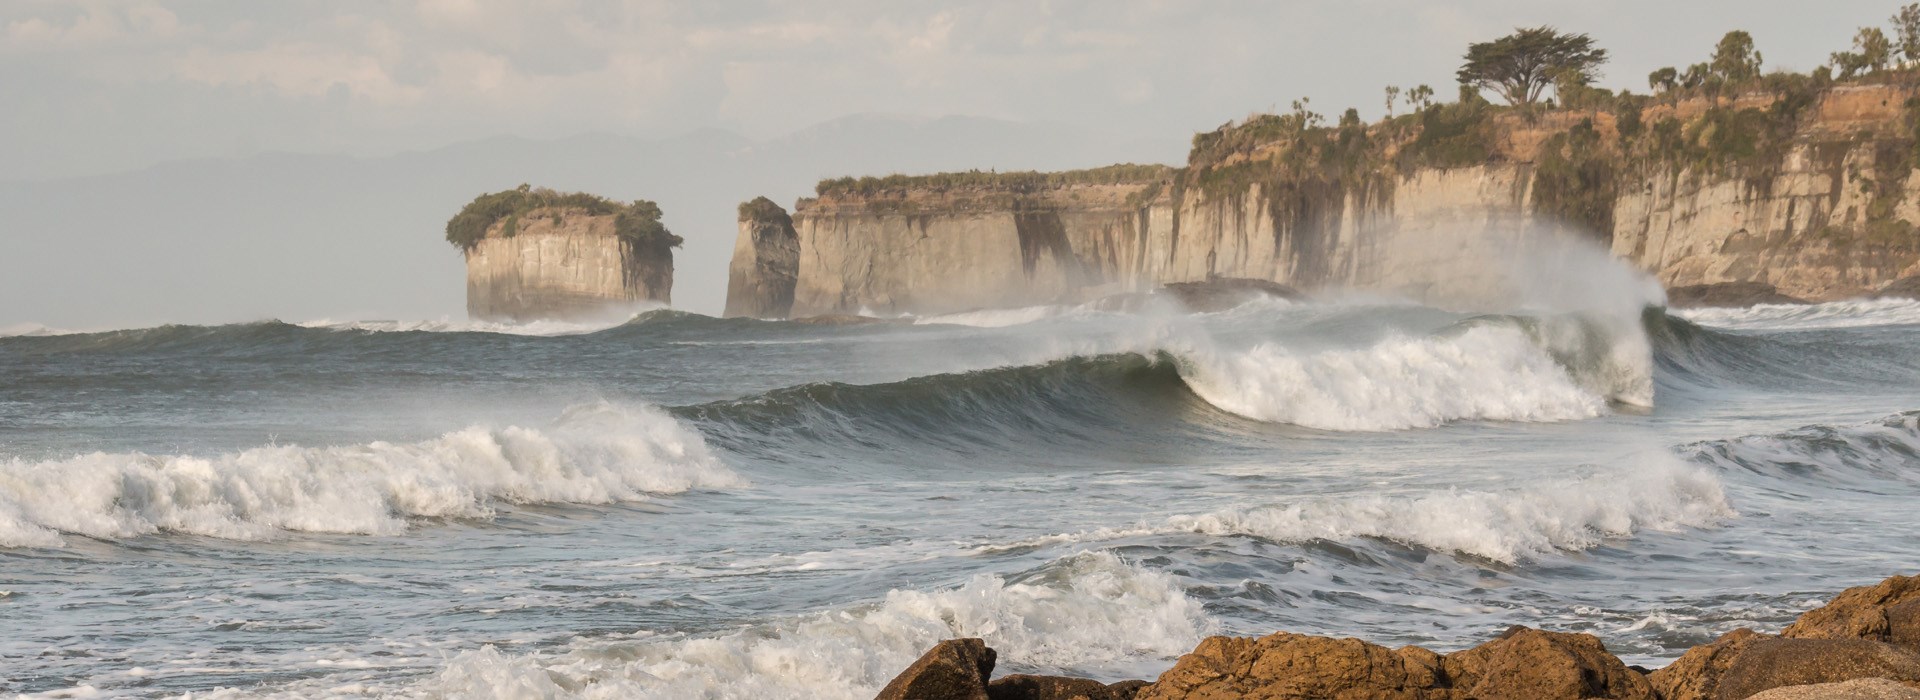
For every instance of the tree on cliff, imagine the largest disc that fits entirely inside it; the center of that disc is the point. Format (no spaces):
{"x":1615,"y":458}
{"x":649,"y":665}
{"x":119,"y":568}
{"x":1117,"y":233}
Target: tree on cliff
{"x":1393,"y":95}
{"x":1734,"y":59}
{"x":1664,"y":81}
{"x":1870,"y":54}
{"x":1906,"y":30}
{"x":1521,"y":65}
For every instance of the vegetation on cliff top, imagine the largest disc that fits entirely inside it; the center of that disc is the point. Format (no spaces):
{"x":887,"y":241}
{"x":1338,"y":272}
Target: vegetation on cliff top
{"x":638,"y":222}
{"x":1024,"y":181}
{"x":763,"y":210}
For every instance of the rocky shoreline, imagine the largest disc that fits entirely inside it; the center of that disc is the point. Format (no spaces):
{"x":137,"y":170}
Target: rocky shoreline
{"x":1862,"y":645}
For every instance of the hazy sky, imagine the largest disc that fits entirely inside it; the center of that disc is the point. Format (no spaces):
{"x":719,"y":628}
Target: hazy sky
{"x":94,"y":86}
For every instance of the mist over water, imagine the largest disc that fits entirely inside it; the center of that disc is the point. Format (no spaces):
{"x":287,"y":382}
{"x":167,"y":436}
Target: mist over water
{"x":678,"y":506}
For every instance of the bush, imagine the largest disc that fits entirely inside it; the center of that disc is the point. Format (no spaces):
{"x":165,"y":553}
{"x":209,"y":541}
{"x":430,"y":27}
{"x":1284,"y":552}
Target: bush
{"x":638,"y":222}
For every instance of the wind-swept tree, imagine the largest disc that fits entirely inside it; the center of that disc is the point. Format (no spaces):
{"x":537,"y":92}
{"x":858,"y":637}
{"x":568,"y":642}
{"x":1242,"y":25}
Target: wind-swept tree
{"x":1420,"y":97}
{"x":1521,"y":65}
{"x":1734,"y":59}
{"x":1664,"y":81}
{"x":1393,"y":95}
{"x":1871,"y":53}
{"x":1906,"y":32}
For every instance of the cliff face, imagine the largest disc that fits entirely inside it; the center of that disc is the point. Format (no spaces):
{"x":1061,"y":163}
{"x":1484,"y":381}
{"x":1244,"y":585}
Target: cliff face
{"x":562,"y":263}
{"x":1826,"y":213}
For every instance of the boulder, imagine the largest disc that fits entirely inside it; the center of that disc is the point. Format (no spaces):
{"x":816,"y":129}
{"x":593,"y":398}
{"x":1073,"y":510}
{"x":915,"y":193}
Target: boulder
{"x":1024,"y":687}
{"x":1529,"y":664}
{"x":1775,"y":663}
{"x":956,"y":669}
{"x":1696,"y":674}
{"x":1885,"y":612}
{"x":1222,"y":293}
{"x":1743,"y":663}
{"x":1864,"y":689}
{"x":1294,"y":666}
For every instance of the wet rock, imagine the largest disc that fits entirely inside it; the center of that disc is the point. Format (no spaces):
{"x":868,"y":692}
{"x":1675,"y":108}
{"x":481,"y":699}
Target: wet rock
{"x":1743,"y":663}
{"x":1529,"y":664}
{"x":1885,"y":612}
{"x":1727,"y":294}
{"x":1024,"y":687}
{"x":1298,"y":666}
{"x":1865,"y":689}
{"x":1222,"y":293}
{"x":956,"y":669}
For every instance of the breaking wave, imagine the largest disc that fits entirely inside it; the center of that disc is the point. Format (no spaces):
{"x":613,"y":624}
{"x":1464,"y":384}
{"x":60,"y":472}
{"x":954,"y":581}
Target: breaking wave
{"x":1838,"y":314}
{"x":597,"y":453}
{"x":1659,"y":494}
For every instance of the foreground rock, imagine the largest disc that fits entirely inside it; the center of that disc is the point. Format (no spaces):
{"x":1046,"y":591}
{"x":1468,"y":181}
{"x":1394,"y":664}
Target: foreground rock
{"x":1864,"y":689}
{"x":1885,"y":612}
{"x":1904,"y":288}
{"x":1864,"y":645}
{"x":956,"y":669}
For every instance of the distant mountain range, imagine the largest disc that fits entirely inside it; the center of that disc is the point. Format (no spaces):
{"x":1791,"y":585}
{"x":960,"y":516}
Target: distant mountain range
{"x":300,"y":237}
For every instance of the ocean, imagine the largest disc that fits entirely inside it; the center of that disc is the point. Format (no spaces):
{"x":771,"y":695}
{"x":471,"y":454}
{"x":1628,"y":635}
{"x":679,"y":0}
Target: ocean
{"x":681,"y":506}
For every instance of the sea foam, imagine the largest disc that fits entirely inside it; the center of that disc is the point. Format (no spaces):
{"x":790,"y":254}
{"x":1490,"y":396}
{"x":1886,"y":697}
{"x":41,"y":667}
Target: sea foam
{"x":1659,"y":493}
{"x":595,"y":453}
{"x":1088,"y":612}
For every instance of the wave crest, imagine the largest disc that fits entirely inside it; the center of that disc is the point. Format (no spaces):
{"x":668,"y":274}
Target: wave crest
{"x":598,"y":453}
{"x":1660,"y":494}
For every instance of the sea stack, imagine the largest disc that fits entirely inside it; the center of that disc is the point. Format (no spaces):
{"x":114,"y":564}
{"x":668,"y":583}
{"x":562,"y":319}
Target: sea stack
{"x":533,"y":253}
{"x":766,"y":262}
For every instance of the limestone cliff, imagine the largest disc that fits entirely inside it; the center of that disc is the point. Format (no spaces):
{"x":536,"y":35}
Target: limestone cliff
{"x":537,"y":254}
{"x":1807,"y":190}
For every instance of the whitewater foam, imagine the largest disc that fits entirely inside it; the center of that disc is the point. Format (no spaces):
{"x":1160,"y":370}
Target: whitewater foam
{"x":1487,"y":372}
{"x":1659,"y":492}
{"x":1089,"y":613}
{"x":1853,"y":313}
{"x":595,"y":453}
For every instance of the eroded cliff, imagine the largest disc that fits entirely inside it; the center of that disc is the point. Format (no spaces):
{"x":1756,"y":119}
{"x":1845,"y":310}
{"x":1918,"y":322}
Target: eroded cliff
{"x":1807,"y":190}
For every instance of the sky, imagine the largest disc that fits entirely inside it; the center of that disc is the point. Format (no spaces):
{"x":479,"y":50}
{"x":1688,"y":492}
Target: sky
{"x":101,"y":87}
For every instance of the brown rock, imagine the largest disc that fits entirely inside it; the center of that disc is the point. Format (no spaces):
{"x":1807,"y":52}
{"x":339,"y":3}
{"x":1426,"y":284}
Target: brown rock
{"x":1743,"y":663}
{"x":1128,"y":690}
{"x":956,"y":669}
{"x":1222,"y":293}
{"x":1774,"y":663}
{"x":1529,"y":664}
{"x":1864,"y":689}
{"x":1024,"y":687}
{"x":1903,"y":288}
{"x":1727,"y":294}
{"x":1885,"y":612}
{"x":1696,"y":674}
{"x":1293,"y":666}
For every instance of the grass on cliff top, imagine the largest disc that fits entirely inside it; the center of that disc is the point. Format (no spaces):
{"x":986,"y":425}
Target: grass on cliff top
{"x":1125,"y":173}
{"x":638,"y":222}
